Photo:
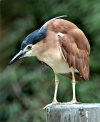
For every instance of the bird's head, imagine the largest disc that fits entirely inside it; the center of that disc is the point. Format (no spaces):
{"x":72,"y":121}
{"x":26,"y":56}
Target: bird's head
{"x":27,"y":46}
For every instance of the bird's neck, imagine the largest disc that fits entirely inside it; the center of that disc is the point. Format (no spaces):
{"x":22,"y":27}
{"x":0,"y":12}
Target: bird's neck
{"x":44,"y":45}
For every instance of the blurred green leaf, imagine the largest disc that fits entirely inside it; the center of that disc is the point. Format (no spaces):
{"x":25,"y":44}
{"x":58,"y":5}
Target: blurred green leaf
{"x":28,"y":85}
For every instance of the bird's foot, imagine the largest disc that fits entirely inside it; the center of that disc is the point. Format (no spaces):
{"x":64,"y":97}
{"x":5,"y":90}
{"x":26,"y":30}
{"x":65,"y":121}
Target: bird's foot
{"x":74,"y":101}
{"x":53,"y":103}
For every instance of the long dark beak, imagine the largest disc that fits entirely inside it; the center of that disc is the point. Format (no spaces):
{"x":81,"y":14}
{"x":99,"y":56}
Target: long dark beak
{"x":17,"y":56}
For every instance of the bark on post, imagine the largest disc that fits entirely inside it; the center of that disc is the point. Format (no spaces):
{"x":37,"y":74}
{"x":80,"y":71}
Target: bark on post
{"x":74,"y":113}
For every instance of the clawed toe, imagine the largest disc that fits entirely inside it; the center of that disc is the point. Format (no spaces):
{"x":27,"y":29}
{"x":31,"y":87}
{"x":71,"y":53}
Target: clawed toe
{"x":72,"y":102}
{"x":53,"y":103}
{"x":65,"y":103}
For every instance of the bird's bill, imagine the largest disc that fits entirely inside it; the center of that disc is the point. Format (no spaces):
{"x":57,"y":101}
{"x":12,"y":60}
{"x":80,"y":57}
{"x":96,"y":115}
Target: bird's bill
{"x":17,"y":56}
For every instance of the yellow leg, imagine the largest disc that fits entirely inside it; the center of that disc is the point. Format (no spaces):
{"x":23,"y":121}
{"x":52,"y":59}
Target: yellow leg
{"x":73,"y":87}
{"x":56,"y":88}
{"x":54,"y":102}
{"x":74,"y":101}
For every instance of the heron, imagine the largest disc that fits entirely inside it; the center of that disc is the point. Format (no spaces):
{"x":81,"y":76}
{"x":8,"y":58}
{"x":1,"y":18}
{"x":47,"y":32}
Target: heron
{"x":60,"y":44}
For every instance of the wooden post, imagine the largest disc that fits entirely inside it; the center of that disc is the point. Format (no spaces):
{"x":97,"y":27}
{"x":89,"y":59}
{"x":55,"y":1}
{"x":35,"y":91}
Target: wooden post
{"x":74,"y":113}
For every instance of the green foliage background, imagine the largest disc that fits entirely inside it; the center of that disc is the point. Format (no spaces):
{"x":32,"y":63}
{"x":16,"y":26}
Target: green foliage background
{"x":28,"y":85}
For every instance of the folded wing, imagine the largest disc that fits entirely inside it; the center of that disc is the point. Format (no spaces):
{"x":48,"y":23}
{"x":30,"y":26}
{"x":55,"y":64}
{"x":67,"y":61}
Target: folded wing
{"x":74,"y":45}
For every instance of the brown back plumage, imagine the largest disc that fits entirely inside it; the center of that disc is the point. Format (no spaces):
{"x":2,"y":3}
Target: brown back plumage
{"x":74,"y":45}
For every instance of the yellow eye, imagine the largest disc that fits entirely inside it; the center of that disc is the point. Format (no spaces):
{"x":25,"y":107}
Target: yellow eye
{"x":29,"y":47}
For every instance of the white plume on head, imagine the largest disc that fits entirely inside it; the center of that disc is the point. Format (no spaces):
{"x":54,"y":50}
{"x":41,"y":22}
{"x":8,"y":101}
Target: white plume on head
{"x":53,"y":19}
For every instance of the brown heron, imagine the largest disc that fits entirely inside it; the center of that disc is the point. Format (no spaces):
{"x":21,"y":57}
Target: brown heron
{"x":61,"y":45}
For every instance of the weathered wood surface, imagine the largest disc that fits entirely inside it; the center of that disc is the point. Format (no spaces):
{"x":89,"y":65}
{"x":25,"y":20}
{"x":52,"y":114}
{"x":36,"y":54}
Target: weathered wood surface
{"x":74,"y":113}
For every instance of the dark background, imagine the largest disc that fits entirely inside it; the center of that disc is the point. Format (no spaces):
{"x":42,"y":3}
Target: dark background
{"x":28,"y":85}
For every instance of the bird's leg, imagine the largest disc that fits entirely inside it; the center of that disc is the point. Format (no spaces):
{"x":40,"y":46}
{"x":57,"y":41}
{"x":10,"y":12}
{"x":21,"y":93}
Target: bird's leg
{"x":56,"y":88}
{"x":73,"y":87}
{"x":74,"y":101}
{"x":54,"y":102}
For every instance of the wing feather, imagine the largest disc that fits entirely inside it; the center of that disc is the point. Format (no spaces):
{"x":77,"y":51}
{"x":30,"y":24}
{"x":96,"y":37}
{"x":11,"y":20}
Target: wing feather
{"x":74,"y":45}
{"x":77,"y":56}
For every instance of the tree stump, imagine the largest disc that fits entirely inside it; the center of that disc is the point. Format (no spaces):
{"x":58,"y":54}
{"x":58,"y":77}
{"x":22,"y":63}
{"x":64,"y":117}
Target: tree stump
{"x":73,"y":113}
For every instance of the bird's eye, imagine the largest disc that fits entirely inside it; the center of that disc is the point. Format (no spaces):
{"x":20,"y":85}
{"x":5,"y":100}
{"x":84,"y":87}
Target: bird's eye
{"x":29,"y":47}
